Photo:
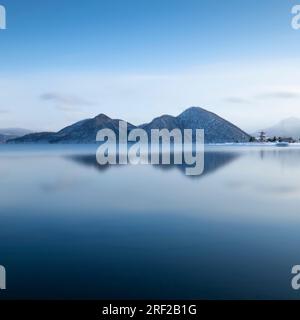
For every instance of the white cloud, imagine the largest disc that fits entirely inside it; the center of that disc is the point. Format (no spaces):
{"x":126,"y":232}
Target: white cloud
{"x":284,"y":95}
{"x":65,"y":100}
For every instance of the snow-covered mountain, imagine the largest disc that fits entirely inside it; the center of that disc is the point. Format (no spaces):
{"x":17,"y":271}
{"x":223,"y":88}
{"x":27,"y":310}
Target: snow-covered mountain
{"x":217,"y":129}
{"x":84,"y":131}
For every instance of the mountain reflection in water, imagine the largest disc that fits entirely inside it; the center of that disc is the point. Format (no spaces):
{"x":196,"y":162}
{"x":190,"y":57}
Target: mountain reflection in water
{"x":212,"y":162}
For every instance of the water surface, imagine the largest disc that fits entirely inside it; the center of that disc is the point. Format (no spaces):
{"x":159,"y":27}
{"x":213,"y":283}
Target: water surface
{"x":72,"y":229}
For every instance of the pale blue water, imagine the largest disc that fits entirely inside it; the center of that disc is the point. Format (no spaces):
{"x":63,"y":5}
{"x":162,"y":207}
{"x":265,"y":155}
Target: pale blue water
{"x":71,"y":229}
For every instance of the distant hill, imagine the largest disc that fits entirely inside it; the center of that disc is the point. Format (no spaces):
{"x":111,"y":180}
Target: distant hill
{"x":15,"y":131}
{"x":217,"y":129}
{"x":12,"y":133}
{"x":289,"y":127}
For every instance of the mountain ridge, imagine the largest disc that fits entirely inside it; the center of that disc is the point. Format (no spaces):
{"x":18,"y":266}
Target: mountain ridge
{"x":217,"y":129}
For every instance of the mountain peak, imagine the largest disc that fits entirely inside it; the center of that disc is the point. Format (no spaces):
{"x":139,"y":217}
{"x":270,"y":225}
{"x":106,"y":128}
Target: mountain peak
{"x":192,"y":109}
{"x":217,"y":129}
{"x":102,"y":116}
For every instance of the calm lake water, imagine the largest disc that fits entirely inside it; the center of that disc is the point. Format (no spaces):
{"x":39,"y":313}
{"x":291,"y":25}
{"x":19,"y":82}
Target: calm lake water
{"x":72,"y":229}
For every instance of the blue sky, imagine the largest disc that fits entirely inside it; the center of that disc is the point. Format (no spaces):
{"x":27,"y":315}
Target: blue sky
{"x":63,"y":60}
